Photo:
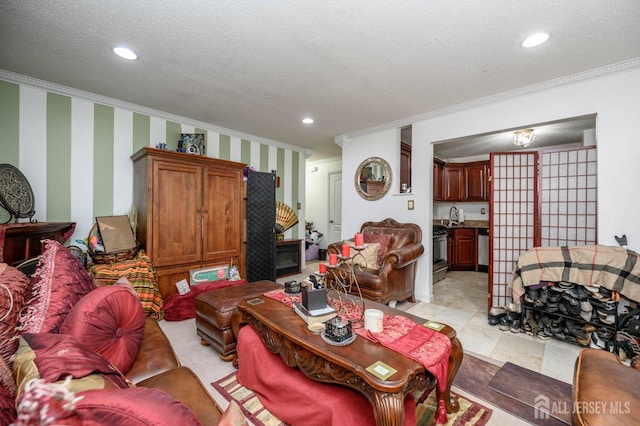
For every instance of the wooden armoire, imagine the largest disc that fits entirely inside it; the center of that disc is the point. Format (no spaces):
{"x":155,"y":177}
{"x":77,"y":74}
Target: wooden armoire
{"x":190,"y":213}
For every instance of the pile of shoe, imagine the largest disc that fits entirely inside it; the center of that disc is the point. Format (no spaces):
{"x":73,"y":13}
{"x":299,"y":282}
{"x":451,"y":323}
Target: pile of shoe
{"x":584,"y":313}
{"x":506,"y":318}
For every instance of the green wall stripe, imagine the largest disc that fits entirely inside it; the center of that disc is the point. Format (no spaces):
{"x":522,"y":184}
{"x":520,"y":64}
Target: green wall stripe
{"x":295,"y":188}
{"x":103,"y":135}
{"x":141,"y":131}
{"x":9,"y":122}
{"x":173,"y":131}
{"x":225,"y":147}
{"x":264,"y":158}
{"x":245,"y":151}
{"x":280,"y":173}
{"x":58,"y":157}
{"x":9,"y":128}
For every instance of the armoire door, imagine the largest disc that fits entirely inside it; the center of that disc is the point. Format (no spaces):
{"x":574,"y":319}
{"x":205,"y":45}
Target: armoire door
{"x":176,"y":224}
{"x":222,"y":215}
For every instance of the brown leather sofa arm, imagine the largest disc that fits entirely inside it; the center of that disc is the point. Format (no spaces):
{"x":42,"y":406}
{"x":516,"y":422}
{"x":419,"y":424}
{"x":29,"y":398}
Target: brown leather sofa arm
{"x":403,"y":256}
{"x":155,"y":355}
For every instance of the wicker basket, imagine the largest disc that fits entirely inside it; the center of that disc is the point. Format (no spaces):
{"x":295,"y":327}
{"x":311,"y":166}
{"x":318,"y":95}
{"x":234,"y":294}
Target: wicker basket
{"x":111,"y":257}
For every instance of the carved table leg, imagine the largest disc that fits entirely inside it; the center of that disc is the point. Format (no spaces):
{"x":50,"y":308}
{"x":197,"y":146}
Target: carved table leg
{"x":388,"y":408}
{"x":455,"y":359}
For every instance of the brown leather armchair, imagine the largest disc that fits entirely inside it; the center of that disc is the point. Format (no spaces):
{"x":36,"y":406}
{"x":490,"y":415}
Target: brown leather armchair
{"x":396,"y":275}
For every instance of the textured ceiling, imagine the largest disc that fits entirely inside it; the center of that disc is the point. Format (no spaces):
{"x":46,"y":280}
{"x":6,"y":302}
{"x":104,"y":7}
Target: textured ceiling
{"x":260,"y":66}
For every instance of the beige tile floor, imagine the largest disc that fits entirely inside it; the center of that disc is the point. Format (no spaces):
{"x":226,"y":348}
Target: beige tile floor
{"x":460,"y":300}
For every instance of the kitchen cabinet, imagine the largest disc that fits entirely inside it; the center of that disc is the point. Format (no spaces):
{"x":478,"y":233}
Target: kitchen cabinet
{"x":461,"y":181}
{"x":190,"y":212}
{"x":476,"y":178}
{"x":462,"y":249}
{"x":438,"y":170}
{"x":453,"y":182}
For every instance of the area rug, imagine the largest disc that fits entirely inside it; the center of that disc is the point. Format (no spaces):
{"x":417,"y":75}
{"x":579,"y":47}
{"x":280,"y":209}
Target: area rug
{"x":535,"y":390}
{"x":470,"y":413}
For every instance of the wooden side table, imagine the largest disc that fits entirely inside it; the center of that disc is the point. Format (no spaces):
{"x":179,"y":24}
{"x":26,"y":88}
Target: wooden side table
{"x":22,"y":241}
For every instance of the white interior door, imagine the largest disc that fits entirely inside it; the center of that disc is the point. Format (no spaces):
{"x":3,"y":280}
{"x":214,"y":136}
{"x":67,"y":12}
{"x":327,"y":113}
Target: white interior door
{"x":335,"y":207}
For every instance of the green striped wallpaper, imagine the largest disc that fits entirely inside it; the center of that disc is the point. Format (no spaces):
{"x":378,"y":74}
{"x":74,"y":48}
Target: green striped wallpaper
{"x":79,"y":164}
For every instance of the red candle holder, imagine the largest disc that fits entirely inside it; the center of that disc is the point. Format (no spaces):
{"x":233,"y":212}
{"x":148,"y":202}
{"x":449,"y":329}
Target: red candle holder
{"x":333,"y":259}
{"x":359,"y":240}
{"x":346,"y":250}
{"x":322,"y":268}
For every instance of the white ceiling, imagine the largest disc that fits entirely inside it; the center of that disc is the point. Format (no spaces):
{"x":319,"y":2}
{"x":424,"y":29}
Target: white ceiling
{"x":259,"y":67}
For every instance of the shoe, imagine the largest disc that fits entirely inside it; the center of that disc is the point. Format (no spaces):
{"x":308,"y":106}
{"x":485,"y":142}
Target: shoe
{"x":515,"y":326}
{"x":505,"y":323}
{"x":543,"y":295}
{"x":555,"y":297}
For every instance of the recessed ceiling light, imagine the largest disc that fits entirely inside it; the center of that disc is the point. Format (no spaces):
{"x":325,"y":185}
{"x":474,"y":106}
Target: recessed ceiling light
{"x":535,"y":40}
{"x":125,"y":53}
{"x":307,"y":120}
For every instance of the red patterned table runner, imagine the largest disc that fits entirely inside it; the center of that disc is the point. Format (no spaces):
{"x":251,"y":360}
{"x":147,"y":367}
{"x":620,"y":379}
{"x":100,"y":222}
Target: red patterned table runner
{"x":401,"y":334}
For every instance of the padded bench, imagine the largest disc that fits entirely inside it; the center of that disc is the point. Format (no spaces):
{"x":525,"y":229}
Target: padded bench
{"x":215,"y":308}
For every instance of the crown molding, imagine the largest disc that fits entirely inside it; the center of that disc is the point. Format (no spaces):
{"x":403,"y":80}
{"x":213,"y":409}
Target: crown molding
{"x":534,"y":88}
{"x":94,"y":97}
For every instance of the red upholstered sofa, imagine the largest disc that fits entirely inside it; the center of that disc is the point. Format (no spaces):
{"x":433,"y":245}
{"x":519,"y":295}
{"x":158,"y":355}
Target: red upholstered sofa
{"x":120,"y":362}
{"x":391,"y":274}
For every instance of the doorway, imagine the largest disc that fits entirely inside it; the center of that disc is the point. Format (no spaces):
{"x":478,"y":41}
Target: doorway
{"x":335,"y":206}
{"x":552,"y":213}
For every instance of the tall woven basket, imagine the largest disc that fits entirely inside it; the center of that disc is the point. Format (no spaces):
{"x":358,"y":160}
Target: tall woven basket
{"x":114,"y":256}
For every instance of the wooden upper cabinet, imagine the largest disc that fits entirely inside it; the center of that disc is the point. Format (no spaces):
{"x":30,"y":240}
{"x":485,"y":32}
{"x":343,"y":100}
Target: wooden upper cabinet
{"x":454,"y":182}
{"x":461,"y":181}
{"x":438,"y":170}
{"x":476,"y":181}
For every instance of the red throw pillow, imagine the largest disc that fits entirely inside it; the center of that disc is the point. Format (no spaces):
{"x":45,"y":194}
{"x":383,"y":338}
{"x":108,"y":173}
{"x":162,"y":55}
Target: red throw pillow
{"x":58,"y":283}
{"x":135,"y":406}
{"x":110,"y":321}
{"x":53,"y":357}
{"x":384,"y":240}
{"x":15,"y":289}
{"x":131,"y":407}
{"x":7,"y":407}
{"x":6,"y":378}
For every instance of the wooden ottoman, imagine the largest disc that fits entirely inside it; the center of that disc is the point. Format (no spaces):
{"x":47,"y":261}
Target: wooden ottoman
{"x":215,"y":308}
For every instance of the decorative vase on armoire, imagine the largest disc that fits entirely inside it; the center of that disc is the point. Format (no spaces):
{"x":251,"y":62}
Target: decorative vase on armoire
{"x":261,"y":221}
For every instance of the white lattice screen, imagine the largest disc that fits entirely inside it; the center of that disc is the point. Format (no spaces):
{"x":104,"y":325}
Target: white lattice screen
{"x":568,"y":197}
{"x":513,"y":216}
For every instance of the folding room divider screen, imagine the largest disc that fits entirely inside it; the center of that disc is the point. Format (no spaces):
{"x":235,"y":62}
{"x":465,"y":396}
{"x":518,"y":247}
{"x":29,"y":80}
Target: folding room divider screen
{"x":541,"y":199}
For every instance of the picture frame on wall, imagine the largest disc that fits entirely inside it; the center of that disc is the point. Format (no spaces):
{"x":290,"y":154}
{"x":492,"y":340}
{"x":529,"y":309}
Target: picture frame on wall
{"x":192,"y":143}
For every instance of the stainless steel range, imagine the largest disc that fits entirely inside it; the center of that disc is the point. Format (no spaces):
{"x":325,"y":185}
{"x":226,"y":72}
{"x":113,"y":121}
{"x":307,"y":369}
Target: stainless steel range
{"x":439,"y":253}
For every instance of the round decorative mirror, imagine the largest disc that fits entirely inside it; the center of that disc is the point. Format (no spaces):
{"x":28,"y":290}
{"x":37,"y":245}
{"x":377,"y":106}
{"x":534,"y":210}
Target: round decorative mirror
{"x":373,"y":178}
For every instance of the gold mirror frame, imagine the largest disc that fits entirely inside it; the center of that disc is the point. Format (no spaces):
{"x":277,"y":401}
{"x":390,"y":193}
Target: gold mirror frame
{"x":373,"y":178}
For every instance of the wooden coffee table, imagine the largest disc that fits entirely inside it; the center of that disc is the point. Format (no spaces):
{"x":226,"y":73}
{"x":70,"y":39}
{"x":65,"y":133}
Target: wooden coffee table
{"x":284,"y":333}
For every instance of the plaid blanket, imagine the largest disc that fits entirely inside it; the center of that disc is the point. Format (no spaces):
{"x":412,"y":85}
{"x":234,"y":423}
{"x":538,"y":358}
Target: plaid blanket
{"x":142,"y":276}
{"x":615,"y":268}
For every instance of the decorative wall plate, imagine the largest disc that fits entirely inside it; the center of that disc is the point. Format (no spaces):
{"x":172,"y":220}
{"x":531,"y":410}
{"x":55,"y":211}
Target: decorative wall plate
{"x":16,"y":195}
